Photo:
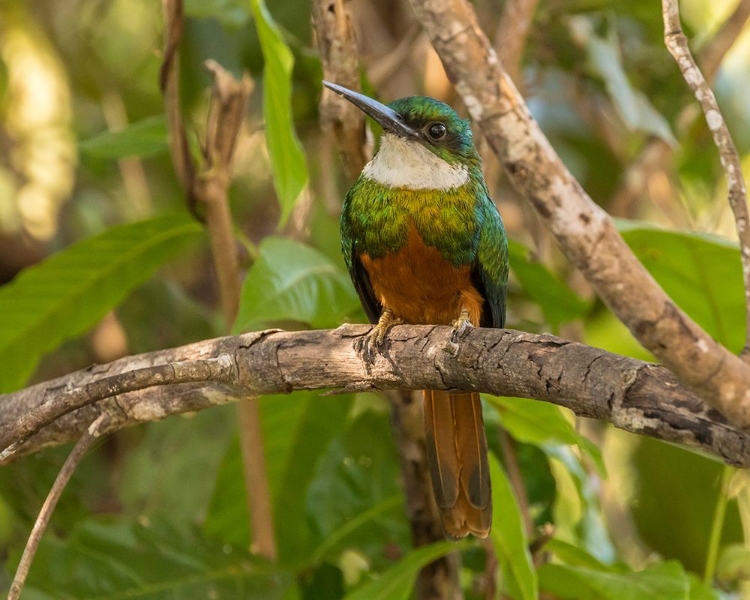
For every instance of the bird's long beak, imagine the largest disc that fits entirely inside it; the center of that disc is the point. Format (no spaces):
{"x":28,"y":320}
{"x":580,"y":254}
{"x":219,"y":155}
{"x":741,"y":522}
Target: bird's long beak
{"x":387,"y":118}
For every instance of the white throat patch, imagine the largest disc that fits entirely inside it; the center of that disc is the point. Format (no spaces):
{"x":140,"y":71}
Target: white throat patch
{"x":408,"y":164}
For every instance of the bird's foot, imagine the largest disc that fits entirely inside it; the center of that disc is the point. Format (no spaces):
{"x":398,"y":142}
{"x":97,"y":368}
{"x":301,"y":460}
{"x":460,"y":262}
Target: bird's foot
{"x":461,"y":326}
{"x":369,"y":345}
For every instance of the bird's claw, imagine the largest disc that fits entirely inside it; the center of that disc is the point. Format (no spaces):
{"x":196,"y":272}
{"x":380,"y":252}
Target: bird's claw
{"x":371,"y":344}
{"x":461,"y":327}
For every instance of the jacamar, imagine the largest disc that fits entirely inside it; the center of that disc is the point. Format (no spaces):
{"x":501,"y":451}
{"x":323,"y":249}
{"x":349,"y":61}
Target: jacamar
{"x":425,"y":244}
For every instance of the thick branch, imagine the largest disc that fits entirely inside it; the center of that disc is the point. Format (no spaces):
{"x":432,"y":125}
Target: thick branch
{"x":585,"y":232}
{"x":636,"y":396}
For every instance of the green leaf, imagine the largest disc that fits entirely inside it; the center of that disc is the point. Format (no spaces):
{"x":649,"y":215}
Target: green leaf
{"x":603,"y":54}
{"x":352,"y":498}
{"x":397,"y":582}
{"x":558,"y":302}
{"x":120,"y":559}
{"x":573,"y":555}
{"x":577,"y":510}
{"x":154,"y":472}
{"x":509,"y":538}
{"x":537,"y":423}
{"x":292,"y":281}
{"x":66,"y":294}
{"x":297,"y":431}
{"x":142,"y":138}
{"x":287,"y":158}
{"x":664,"y":581}
{"x":700,"y":272}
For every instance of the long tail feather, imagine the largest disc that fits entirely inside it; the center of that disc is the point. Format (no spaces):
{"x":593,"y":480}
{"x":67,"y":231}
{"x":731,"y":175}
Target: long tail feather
{"x":457,"y":458}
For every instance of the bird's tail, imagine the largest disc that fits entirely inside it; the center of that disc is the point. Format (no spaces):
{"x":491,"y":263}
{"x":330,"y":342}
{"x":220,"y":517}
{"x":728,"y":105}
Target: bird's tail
{"x":457,"y":458}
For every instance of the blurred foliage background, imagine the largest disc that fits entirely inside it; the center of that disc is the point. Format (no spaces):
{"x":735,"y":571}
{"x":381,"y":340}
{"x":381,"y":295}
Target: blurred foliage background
{"x":159,"y":511}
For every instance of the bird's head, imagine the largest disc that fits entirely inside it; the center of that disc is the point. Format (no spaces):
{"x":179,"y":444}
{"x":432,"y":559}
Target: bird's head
{"x":419,"y":119}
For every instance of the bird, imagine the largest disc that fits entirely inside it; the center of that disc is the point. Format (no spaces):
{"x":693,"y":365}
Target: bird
{"x":424,"y":244}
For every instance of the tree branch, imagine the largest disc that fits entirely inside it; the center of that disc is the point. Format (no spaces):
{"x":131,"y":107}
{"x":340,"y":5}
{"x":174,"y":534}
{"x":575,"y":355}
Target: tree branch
{"x":633,"y":395}
{"x":677,"y":45}
{"x":340,"y":60}
{"x":89,"y":436}
{"x":712,"y":53}
{"x":585,"y":232}
{"x":512,"y":34}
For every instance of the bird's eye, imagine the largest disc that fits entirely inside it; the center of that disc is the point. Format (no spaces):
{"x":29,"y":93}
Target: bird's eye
{"x":437,"y":131}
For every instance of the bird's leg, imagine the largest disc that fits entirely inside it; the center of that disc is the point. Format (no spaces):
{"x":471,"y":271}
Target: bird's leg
{"x":372,"y":342}
{"x":461,"y":326}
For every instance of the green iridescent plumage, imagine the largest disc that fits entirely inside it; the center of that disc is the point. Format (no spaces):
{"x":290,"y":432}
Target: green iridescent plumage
{"x":461,"y":222}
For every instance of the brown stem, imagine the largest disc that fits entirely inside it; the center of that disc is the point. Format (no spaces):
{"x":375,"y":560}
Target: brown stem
{"x":340,"y":59}
{"x":88,"y":437}
{"x":512,"y":33}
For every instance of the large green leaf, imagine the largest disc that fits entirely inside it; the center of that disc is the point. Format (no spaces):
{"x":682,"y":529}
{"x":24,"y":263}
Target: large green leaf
{"x":111,"y":560}
{"x":297,"y":430}
{"x":154,"y":471}
{"x":663,"y":581}
{"x":292,"y":281}
{"x":539,"y":423}
{"x":142,"y":138}
{"x":397,"y":582}
{"x":355,"y":497}
{"x":558,"y":302}
{"x":509,"y":538}
{"x":287,"y":158}
{"x":700,"y":272}
{"x":69,"y":292}
{"x":577,"y":509}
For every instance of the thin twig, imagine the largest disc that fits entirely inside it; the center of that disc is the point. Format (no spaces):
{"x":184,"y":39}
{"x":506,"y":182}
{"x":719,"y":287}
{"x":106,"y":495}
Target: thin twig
{"x":225,"y":117}
{"x":169,"y":80}
{"x":651,"y":163}
{"x":35,"y":537}
{"x":677,"y":44}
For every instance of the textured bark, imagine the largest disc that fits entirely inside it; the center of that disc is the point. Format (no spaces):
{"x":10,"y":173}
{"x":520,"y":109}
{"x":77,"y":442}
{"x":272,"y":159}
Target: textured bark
{"x":340,"y":60}
{"x":633,"y":395}
{"x":585,"y":232}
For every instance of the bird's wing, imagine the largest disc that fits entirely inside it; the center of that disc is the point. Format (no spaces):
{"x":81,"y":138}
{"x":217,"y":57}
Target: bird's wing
{"x":357,"y":271}
{"x":490,"y":270}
